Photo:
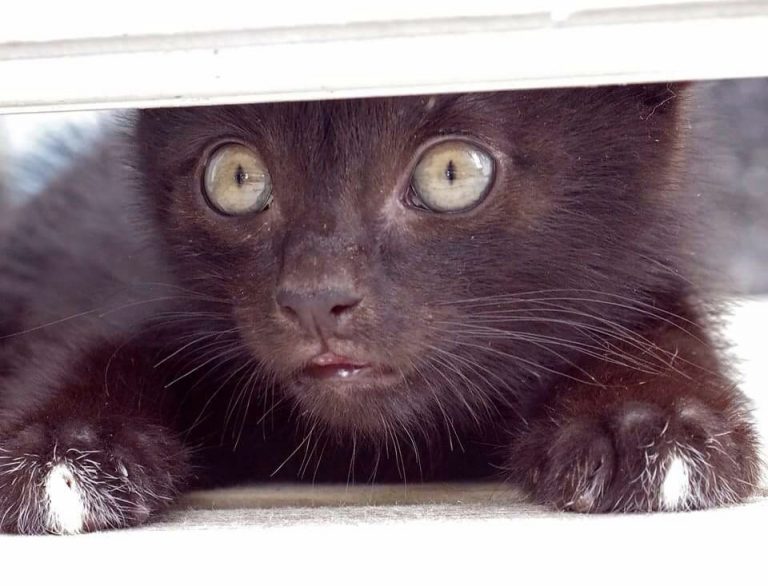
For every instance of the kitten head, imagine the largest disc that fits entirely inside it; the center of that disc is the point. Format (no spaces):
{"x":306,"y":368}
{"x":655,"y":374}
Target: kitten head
{"x":421,"y":260}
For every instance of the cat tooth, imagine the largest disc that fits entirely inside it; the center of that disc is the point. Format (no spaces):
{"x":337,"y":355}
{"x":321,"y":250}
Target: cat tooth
{"x":676,"y":486}
{"x":65,"y":505}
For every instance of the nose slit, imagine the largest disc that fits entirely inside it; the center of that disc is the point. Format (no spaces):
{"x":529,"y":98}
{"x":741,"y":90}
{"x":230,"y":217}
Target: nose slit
{"x":337,"y":310}
{"x":318,"y":312}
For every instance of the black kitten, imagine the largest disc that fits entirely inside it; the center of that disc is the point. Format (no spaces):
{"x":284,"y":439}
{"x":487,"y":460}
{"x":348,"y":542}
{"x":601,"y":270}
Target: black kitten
{"x":381,"y":289}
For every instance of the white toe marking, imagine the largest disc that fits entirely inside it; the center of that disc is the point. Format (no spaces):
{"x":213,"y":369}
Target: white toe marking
{"x":676,"y":487}
{"x":64,"y":499}
{"x":122,"y":470}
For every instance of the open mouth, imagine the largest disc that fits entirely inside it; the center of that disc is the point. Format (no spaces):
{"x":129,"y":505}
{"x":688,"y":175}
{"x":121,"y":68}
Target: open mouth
{"x":334,"y":367}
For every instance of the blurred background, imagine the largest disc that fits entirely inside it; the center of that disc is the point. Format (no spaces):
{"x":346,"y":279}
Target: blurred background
{"x":730,"y":169}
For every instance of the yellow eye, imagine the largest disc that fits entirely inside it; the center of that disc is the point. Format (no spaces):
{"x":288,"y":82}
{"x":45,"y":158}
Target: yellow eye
{"x":237,"y":181}
{"x":453,"y":176}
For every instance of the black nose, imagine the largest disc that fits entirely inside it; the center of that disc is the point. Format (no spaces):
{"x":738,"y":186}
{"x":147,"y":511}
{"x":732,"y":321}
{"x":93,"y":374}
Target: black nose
{"x":318,"y":312}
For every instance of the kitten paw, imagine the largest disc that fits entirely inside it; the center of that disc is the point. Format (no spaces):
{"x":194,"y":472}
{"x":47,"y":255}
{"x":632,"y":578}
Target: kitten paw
{"x":76,"y":477}
{"x":639,"y":457}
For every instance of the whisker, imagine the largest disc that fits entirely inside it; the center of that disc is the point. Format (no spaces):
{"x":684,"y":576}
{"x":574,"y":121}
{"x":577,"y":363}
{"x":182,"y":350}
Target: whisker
{"x":531,"y":363}
{"x":195,"y":341}
{"x":294,"y":452}
{"x":235,"y":350}
{"x":603,"y":352}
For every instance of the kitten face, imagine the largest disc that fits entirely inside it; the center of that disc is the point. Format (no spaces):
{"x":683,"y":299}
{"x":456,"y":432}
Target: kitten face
{"x":373,"y":307}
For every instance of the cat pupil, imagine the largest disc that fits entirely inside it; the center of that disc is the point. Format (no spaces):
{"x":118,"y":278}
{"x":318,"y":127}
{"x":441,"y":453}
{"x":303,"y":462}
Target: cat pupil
{"x":240,"y":176}
{"x":450,"y":172}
